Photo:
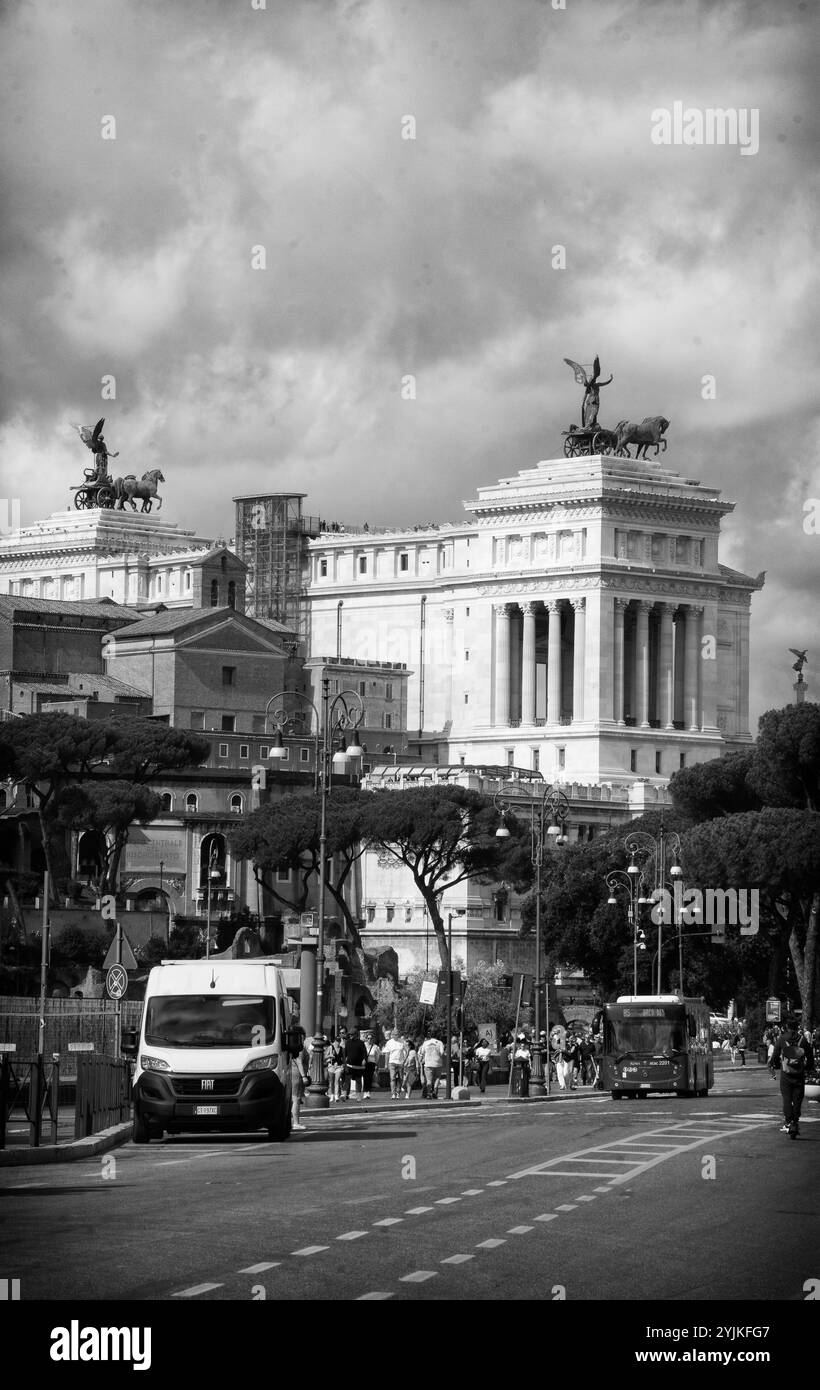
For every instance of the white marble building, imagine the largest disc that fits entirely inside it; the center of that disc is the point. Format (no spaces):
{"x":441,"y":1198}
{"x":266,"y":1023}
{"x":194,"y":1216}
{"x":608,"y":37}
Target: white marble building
{"x":134,"y":558}
{"x":578,"y":623}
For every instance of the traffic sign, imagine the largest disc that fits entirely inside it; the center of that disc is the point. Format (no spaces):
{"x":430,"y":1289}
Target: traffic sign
{"x":127,"y":957}
{"x":116,"y":982}
{"x":772,"y":1010}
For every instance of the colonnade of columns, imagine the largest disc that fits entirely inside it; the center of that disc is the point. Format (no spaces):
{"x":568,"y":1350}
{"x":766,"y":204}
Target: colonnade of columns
{"x":652,"y":652}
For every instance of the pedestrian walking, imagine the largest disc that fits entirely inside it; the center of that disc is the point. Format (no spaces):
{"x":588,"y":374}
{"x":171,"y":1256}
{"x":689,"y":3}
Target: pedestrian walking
{"x":432,"y":1056}
{"x":395,"y":1052}
{"x":794,"y":1057}
{"x":373,"y":1055}
{"x":299,"y":1079}
{"x":411,"y":1068}
{"x":355,"y":1058}
{"x":482,"y":1057}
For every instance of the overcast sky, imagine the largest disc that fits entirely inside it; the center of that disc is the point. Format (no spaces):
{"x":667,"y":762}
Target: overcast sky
{"x":238,"y":128}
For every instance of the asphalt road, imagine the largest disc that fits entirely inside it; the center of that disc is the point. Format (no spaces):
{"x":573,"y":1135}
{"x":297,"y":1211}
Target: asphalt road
{"x":581,"y":1199}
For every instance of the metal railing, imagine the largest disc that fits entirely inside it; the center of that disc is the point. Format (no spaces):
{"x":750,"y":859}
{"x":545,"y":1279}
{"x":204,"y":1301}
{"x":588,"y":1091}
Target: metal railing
{"x":103,"y":1094}
{"x":34,"y":1088}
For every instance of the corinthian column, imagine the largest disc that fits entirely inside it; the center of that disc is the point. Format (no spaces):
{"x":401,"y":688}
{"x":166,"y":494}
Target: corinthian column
{"x":502,"y":663}
{"x":642,"y":664}
{"x":666,"y":690}
{"x":528,"y":666}
{"x":579,"y":607}
{"x":554,"y":662}
{"x":691,"y":662}
{"x":620,"y":617}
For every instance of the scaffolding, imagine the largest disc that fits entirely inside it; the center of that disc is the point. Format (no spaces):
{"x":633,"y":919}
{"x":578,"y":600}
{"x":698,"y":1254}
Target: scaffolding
{"x":272,"y":537}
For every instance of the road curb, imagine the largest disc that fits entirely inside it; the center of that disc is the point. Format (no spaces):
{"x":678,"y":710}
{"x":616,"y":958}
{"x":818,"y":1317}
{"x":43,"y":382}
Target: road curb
{"x":67,"y":1153}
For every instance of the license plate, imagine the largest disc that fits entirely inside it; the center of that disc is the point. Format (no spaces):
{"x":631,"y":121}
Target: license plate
{"x":206,"y":1109}
{"x":644,"y":1086}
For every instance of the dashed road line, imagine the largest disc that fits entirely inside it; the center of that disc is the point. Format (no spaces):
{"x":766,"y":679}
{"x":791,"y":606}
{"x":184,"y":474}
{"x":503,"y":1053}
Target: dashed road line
{"x":352,"y":1235}
{"x":260,"y":1268}
{"x":389,"y":1221}
{"x":196,"y":1290}
{"x":519,"y":1230}
{"x":490,"y":1244}
{"x":310,"y":1250}
{"x":417,"y":1211}
{"x":372,"y":1297}
{"x":457,"y":1259}
{"x":566,"y":1206}
{"x":546,"y":1216}
{"x":447,"y":1201}
{"x":499,"y":1182}
{"x":584,"y":1199}
{"x":472,"y":1192}
{"x":419,"y":1276}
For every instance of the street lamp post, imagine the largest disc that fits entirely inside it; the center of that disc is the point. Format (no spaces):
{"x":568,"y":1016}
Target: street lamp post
{"x":552,"y":812}
{"x":647,"y":874}
{"x":328,"y":725}
{"x":213,"y":873}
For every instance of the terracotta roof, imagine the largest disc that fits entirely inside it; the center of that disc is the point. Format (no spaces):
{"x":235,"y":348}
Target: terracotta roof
{"x":81,"y":608}
{"x":175,"y":619}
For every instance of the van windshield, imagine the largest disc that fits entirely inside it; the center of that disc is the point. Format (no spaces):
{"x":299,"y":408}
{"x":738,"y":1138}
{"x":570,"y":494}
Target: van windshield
{"x":208,"y":1020}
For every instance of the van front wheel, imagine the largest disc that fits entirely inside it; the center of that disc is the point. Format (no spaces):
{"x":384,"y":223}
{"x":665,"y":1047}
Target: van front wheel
{"x":140,"y":1132}
{"x":279,"y":1130}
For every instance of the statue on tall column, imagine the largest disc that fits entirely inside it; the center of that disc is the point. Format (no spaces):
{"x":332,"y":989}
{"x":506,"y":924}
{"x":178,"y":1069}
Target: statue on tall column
{"x":802,"y":659}
{"x":592,"y":386}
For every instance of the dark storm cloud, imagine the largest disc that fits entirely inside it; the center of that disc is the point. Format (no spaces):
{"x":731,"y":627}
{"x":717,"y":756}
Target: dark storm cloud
{"x":281,"y":128}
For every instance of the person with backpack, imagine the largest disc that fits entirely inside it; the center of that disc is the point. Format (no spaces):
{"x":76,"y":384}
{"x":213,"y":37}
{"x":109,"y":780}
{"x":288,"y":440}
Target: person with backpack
{"x":795,"y":1057}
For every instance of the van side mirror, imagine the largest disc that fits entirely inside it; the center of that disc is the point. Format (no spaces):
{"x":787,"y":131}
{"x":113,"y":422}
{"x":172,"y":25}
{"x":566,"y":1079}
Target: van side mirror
{"x":128,"y":1041}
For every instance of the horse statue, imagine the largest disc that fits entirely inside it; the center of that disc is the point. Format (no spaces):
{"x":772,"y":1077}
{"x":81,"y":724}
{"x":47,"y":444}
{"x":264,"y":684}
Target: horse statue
{"x":126,"y":489}
{"x":650,"y":431}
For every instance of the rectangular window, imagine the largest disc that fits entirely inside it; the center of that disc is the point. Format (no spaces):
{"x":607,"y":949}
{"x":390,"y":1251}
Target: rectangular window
{"x":362,"y":687}
{"x":323,"y":569}
{"x":390,"y":913}
{"x":228,"y":724}
{"x":466,"y":697}
{"x":408,"y":916}
{"x":228,"y":675}
{"x":371,"y":914}
{"x":283,"y":875}
{"x":633,"y":760}
{"x":657,"y":762}
{"x":466,"y":656}
{"x":197,"y":719}
{"x":536,"y":759}
{"x":468,"y":611}
{"x":510,"y":757}
{"x":387,"y":721}
{"x":284,"y":755}
{"x":562,"y":759}
{"x":304,"y":755}
{"x":388,"y":690}
{"x":682,"y":760}
{"x":188,"y":579}
{"x":223,"y":750}
{"x":244,"y":750}
{"x":362,"y":564}
{"x":264,"y":749}
{"x":404,"y":562}
{"x":258,"y":724}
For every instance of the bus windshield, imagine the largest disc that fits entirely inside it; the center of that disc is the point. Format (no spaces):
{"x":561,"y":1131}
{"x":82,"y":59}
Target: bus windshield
{"x":658,"y":1036}
{"x":207,"y":1020}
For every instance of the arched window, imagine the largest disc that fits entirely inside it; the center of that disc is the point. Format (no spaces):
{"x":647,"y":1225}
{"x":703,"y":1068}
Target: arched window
{"x":167,"y":803}
{"x":214,"y":593}
{"x":192,"y":802}
{"x":231,"y":593}
{"x":237,"y":803}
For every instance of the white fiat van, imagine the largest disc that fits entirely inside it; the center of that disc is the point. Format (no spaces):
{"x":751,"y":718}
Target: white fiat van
{"x":213,"y":1050}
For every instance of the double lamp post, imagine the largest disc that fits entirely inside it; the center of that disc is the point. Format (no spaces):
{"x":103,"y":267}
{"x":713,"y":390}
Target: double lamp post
{"x":338,"y":717}
{"x":549,"y":813}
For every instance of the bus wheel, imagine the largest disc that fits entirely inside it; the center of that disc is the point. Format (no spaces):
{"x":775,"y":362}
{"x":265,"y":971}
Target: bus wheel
{"x":617,"y":1095}
{"x":641,"y":1095}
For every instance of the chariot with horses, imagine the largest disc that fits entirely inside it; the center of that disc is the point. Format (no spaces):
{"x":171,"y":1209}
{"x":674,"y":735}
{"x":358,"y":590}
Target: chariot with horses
{"x":101,"y":490}
{"x":592,"y":438}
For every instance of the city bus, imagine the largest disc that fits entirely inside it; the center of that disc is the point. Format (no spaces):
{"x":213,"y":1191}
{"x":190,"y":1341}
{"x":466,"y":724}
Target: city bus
{"x":660,"y":1042}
